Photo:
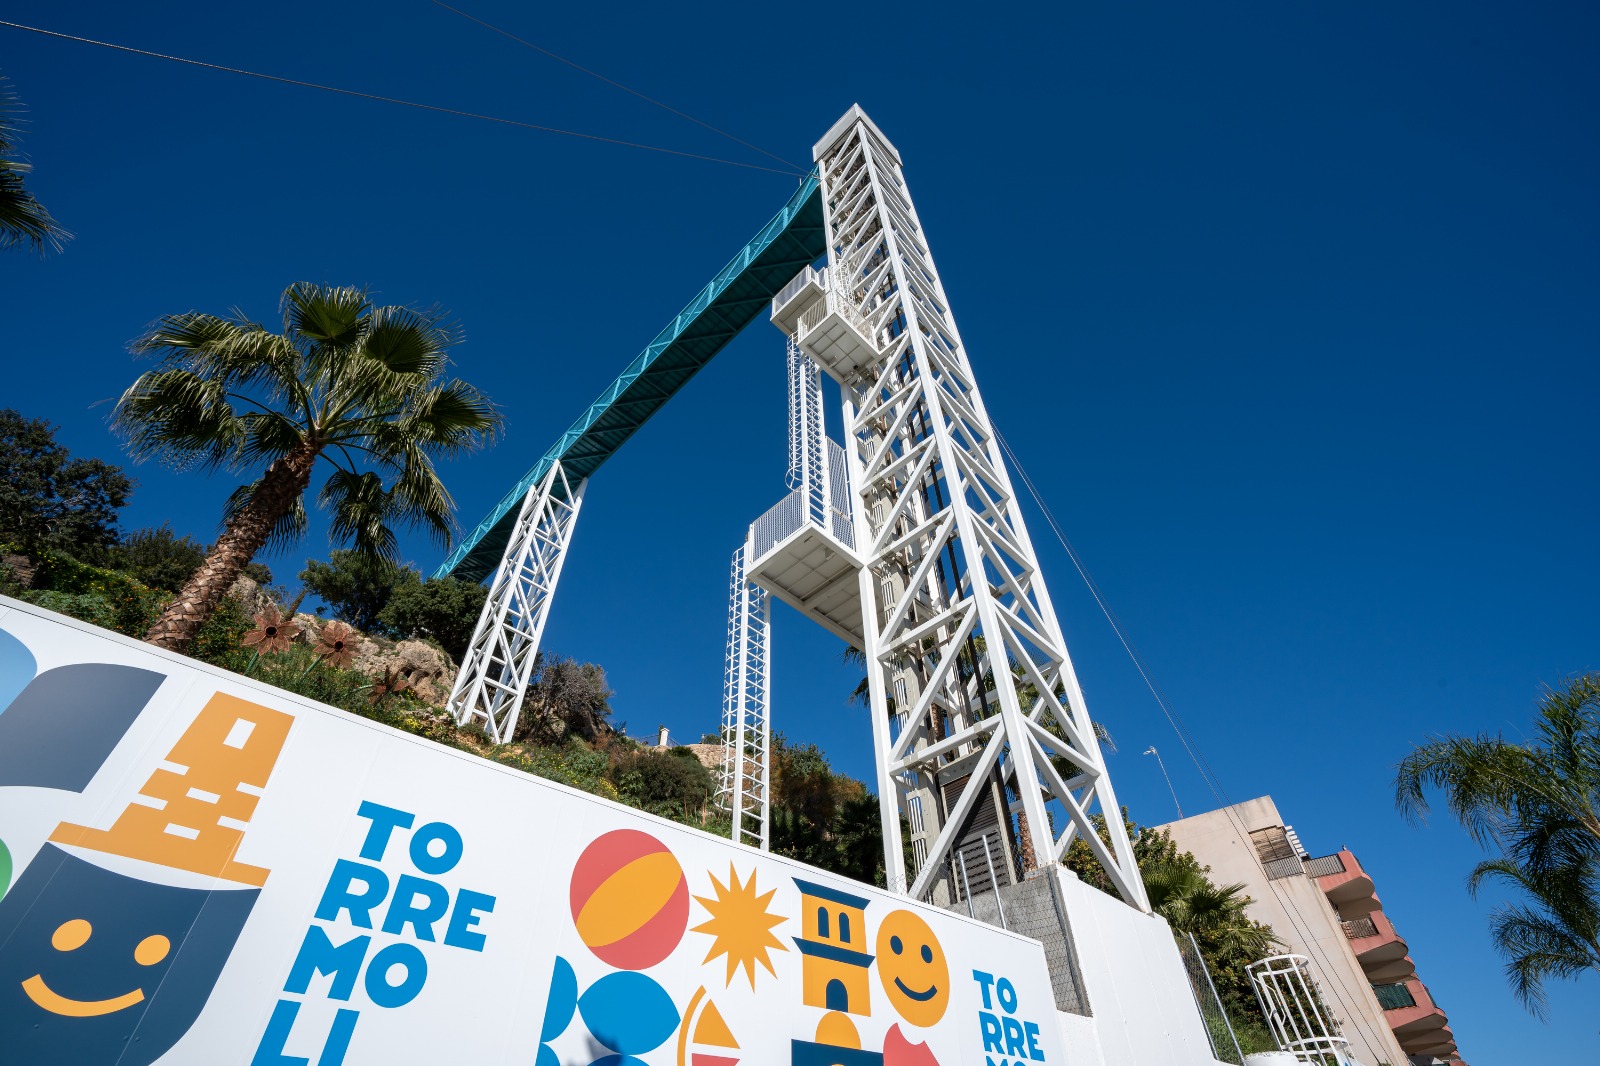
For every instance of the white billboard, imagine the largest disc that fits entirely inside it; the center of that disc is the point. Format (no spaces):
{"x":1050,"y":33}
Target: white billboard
{"x":199,"y":869}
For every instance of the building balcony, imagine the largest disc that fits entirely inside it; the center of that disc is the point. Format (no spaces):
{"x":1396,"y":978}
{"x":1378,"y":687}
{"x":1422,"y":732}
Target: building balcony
{"x":1419,"y":1024}
{"x":1349,"y":888}
{"x":1375,"y":942}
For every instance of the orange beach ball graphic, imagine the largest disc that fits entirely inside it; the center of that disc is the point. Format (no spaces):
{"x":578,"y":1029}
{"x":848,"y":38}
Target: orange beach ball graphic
{"x":630,"y":901}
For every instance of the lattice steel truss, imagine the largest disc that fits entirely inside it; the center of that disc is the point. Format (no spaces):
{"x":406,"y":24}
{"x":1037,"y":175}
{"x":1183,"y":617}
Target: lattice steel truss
{"x":505,"y":645}
{"x":955,"y":608}
{"x":743,"y":786}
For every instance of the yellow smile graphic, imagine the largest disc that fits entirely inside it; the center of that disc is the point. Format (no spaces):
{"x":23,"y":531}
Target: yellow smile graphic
{"x":47,"y":998}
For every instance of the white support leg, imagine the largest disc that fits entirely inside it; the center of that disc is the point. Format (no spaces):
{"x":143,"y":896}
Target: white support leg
{"x":500,"y":660}
{"x":743,"y":785}
{"x":958,"y":623}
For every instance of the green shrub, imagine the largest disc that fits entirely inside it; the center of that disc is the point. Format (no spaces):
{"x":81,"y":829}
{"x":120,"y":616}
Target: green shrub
{"x":158,"y":557}
{"x":659,"y":782}
{"x":445,"y":609}
{"x":355,"y":585}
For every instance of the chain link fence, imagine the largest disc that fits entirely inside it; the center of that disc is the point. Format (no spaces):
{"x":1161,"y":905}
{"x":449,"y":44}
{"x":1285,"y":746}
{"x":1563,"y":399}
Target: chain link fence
{"x":1224,"y":1045}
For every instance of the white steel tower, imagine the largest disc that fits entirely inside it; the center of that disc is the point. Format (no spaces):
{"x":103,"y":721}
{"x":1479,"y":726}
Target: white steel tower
{"x":960,"y":636}
{"x":743,"y":786}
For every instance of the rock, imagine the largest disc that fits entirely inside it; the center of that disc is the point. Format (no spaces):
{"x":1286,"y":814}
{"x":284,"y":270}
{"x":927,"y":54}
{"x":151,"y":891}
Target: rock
{"x":250,"y":595}
{"x":22,"y":567}
{"x":429,"y":670}
{"x":711,"y":756}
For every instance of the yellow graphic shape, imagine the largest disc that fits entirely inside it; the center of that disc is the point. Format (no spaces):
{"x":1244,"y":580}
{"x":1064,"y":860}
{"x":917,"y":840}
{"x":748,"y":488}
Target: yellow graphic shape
{"x":45,"y":997}
{"x":628,"y":899}
{"x":912,"y":967}
{"x":194,"y":815}
{"x":151,"y":950}
{"x":71,"y":935}
{"x":837,"y":1030}
{"x":741,"y":925}
{"x":713,"y":1030}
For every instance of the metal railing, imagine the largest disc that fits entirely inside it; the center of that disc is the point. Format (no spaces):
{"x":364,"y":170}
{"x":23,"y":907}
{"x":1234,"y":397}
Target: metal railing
{"x":1324,"y":866}
{"x":1290,"y":867}
{"x":808,"y":276}
{"x":782,"y":519}
{"x":1394,"y":997}
{"x":1357,"y":928}
{"x":833,"y":303}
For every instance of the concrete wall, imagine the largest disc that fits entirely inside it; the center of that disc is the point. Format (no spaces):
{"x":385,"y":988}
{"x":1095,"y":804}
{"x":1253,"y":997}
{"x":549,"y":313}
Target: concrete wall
{"x":1142,"y":1010}
{"x":1299,"y":913}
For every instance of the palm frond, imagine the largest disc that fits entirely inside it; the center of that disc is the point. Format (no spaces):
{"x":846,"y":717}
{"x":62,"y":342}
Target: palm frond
{"x":286,"y":531}
{"x":361,"y":510}
{"x":24,"y":222}
{"x":179,"y":416}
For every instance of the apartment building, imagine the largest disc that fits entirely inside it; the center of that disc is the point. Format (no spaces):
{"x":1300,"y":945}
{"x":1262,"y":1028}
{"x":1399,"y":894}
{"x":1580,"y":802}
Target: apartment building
{"x":1327,"y":909}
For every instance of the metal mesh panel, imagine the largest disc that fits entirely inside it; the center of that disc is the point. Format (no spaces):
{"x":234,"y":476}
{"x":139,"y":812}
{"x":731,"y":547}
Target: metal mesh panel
{"x":1324,"y":866}
{"x":1033,"y":908}
{"x":1290,"y":867}
{"x":1224,"y":1045}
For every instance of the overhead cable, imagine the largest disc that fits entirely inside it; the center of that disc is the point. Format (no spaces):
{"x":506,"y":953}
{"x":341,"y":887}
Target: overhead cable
{"x":1207,"y":775}
{"x":390,"y":99}
{"x":617,"y":84}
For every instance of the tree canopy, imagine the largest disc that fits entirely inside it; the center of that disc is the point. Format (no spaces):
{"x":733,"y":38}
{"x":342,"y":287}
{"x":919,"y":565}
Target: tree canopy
{"x":48,"y":499}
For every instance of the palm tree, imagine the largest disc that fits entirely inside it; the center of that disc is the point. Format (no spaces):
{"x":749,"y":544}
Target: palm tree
{"x":23,"y":220}
{"x":1191,"y":902}
{"x":1538,"y":804}
{"x":346,"y":382}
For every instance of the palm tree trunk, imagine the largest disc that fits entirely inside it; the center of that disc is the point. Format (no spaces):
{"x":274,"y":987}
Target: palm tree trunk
{"x":283,"y":483}
{"x":1030,"y":859}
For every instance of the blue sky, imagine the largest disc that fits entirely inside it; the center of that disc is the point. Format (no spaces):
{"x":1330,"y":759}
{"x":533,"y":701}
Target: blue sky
{"x":1289,"y":309}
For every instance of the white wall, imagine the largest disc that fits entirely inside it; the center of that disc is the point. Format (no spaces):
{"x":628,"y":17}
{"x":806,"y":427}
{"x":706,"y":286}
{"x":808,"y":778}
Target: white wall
{"x":1144,"y":1013}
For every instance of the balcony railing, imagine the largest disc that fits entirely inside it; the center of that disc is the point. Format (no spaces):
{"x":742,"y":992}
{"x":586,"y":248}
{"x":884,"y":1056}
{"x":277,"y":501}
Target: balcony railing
{"x":808,"y":276}
{"x":1394,"y":997}
{"x":1357,"y":928}
{"x":1324,"y":866}
{"x":1289,"y":867}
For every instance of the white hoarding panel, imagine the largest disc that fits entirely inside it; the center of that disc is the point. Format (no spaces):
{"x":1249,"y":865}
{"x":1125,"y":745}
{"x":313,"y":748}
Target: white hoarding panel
{"x":198,"y":869}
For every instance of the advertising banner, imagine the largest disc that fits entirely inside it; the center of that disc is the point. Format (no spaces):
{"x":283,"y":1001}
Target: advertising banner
{"x":198,"y":869}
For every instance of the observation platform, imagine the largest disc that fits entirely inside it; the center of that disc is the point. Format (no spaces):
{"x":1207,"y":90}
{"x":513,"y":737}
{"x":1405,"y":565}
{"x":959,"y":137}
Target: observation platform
{"x":825,"y":325}
{"x":803,"y":552}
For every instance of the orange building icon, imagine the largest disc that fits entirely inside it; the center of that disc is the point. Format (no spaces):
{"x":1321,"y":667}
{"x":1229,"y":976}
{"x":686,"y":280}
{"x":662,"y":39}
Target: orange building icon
{"x":835,"y":962}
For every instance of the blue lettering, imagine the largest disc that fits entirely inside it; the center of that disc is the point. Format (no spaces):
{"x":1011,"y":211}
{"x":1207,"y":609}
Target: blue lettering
{"x":424,"y":859}
{"x":1008,"y":996}
{"x":284,"y":1012}
{"x":991,"y":1032}
{"x":1015,"y":1045}
{"x":984,"y":981}
{"x":408,"y":957}
{"x":270,"y":1051}
{"x":338,"y":897}
{"x":404,"y":909}
{"x":385,"y":820}
{"x":470,"y":906}
{"x":1035,"y":1052}
{"x":319,"y":954}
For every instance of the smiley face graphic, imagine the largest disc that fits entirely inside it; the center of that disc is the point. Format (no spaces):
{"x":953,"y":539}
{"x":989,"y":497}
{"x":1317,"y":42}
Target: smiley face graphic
{"x":912,"y":967}
{"x":87,"y":950}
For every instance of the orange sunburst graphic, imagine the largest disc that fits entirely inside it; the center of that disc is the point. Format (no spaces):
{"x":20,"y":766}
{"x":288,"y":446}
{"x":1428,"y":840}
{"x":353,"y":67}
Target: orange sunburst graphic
{"x":740,"y":926}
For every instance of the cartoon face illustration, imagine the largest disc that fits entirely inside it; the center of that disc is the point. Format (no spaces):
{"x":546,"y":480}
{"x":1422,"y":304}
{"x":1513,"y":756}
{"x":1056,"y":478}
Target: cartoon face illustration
{"x":86,"y":950}
{"x":912,"y":967}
